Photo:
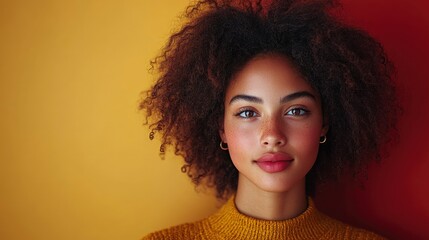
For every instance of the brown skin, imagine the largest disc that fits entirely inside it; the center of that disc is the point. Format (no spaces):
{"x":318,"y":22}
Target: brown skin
{"x":348,"y":70}
{"x":264,"y":116}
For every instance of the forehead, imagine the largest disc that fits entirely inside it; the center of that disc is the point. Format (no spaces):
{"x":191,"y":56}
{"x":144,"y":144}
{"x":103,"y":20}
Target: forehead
{"x":271,"y":74}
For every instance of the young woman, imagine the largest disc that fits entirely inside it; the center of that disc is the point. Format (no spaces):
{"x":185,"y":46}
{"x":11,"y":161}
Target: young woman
{"x":264,"y":102}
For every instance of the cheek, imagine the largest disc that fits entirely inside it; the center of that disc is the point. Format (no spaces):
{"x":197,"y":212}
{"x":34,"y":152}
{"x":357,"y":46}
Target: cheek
{"x":239,"y":140}
{"x":306,"y":142}
{"x":236,"y":137}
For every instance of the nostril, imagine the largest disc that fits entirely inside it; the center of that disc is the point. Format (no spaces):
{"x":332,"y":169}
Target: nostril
{"x":277,"y":142}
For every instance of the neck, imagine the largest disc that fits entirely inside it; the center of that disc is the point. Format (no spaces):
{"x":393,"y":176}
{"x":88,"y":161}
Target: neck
{"x":255,"y":202}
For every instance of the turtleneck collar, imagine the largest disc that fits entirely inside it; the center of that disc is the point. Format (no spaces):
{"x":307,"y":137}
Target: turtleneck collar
{"x":230,"y":221}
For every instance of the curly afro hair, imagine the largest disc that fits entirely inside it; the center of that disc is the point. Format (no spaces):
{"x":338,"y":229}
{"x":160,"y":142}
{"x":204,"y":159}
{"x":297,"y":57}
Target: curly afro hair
{"x":348,"y":68}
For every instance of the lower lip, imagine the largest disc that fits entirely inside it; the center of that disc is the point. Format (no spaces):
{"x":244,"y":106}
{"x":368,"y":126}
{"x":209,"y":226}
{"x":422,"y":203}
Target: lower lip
{"x":273,"y":167}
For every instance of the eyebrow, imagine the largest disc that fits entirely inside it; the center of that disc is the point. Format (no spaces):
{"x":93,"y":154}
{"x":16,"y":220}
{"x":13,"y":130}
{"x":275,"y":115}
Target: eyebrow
{"x":284,"y":99}
{"x":296,"y":95}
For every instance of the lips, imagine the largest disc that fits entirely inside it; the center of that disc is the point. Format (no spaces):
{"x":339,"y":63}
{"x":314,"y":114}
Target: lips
{"x":274,"y":162}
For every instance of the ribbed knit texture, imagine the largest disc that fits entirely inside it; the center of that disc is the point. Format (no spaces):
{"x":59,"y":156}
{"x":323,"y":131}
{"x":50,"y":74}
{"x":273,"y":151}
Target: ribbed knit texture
{"x":228,"y":223}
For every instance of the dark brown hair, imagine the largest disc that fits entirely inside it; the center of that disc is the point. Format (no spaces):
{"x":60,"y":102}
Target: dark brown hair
{"x":345,"y":65}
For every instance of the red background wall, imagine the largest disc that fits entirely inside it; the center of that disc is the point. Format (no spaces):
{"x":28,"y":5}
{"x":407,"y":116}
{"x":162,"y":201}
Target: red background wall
{"x":394,"y":200}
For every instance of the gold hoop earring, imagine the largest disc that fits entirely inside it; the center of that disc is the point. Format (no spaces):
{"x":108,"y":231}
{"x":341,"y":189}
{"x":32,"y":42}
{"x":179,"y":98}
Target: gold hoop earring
{"x":323,"y":139}
{"x":222,"y":146}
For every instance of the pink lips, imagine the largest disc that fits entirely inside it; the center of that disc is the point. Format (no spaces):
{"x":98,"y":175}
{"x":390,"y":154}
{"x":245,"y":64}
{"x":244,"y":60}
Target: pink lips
{"x":274,"y":162}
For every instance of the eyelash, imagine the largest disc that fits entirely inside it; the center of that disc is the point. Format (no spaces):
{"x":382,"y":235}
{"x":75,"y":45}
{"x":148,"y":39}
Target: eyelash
{"x":290,"y":112}
{"x":303,"y":111}
{"x":245,"y":110}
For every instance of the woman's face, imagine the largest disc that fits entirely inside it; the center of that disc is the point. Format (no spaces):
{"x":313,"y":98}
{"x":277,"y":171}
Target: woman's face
{"x":272,"y":124}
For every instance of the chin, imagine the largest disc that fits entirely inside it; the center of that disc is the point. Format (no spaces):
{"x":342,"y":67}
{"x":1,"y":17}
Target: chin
{"x":277,"y":187}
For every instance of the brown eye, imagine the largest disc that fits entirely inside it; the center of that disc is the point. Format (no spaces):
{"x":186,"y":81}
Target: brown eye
{"x":247,"y":114}
{"x":297,"y":112}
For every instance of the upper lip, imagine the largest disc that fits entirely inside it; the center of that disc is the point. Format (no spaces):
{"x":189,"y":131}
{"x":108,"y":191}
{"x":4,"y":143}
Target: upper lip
{"x":275,"y":157}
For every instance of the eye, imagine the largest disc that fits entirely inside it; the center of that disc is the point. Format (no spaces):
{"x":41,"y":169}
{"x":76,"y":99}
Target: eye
{"x":297,"y":112}
{"x":246,"y":113}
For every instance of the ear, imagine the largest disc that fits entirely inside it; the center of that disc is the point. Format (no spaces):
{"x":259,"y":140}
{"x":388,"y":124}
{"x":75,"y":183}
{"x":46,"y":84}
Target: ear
{"x":325,"y":125}
{"x":222,"y":133}
{"x":325,"y":129}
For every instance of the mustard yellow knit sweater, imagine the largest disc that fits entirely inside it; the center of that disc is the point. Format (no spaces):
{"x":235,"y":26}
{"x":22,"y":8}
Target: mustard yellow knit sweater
{"x":228,"y":223}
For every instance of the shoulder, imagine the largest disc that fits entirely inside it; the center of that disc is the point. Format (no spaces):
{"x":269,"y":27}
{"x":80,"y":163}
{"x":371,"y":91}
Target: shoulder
{"x":358,"y":233}
{"x":183,"y":231}
{"x":340,"y":230}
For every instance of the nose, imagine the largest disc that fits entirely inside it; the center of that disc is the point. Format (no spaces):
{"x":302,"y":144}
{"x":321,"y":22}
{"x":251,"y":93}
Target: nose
{"x":273,"y":134}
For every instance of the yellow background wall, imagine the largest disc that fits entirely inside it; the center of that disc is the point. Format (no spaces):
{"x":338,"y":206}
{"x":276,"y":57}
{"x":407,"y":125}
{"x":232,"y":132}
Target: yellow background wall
{"x":75,"y":160}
